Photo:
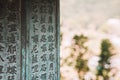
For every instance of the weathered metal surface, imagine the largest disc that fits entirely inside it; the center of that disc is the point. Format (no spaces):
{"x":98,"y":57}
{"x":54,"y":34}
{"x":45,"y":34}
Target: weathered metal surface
{"x":10,"y":40}
{"x":29,"y":40}
{"x":42,"y":47}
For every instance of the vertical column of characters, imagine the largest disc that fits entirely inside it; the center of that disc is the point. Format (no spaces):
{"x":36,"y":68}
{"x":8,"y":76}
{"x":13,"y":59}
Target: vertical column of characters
{"x":34,"y":40}
{"x":43,"y":39}
{"x":47,"y":40}
{"x":3,"y":13}
{"x":13,"y":41}
{"x":2,"y":50}
{"x":51,"y":30}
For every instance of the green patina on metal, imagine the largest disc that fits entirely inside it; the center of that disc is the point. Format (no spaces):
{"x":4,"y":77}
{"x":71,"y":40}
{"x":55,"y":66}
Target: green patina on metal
{"x":29,"y":40}
{"x":42,"y":52}
{"x":10,"y":40}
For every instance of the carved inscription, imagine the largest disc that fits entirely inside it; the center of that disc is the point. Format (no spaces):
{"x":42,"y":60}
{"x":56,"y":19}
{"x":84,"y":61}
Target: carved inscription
{"x":9,"y":40}
{"x":42,"y":40}
{"x":30,"y":53}
{"x":2,"y":49}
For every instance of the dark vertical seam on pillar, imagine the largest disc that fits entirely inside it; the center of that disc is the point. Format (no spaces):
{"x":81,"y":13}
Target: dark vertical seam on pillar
{"x":58,"y":37}
{"x":20,"y":41}
{"x":23,"y":39}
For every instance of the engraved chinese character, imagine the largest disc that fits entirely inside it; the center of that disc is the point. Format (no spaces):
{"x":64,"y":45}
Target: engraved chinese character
{"x":42,"y":19}
{"x":50,"y":38}
{"x":1,"y":59}
{"x":12,"y":27}
{"x":49,"y":19}
{"x":35,"y":77}
{"x":43,"y":76}
{"x":1,"y":69}
{"x":51,"y":48}
{"x":1,"y":48}
{"x":51,"y":66}
{"x":43,"y":67}
{"x":34,"y":28}
{"x":34,"y":58}
{"x":50,"y":28}
{"x":50,"y":10}
{"x":35,"y":38}
{"x":43,"y":9}
{"x":35,"y":50}
{"x":12,"y":59}
{"x":51,"y":76}
{"x":43,"y":38}
{"x":11,"y":38}
{"x":34,"y":3}
{"x":1,"y":27}
{"x":43,"y":29}
{"x":13,"y":6}
{"x":34,"y":8}
{"x":1,"y":77}
{"x":44,"y":48}
{"x":2,"y":11}
{"x":51,"y":57}
{"x":43,"y":57}
{"x":11,"y":77}
{"x":11,"y":49}
{"x":11,"y":69}
{"x":1,"y":38}
{"x":35,"y":68}
{"x":12,"y":17}
{"x":35,"y":17}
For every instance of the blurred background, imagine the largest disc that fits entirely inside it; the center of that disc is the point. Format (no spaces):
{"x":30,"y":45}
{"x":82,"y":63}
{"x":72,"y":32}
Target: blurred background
{"x":90,"y":39}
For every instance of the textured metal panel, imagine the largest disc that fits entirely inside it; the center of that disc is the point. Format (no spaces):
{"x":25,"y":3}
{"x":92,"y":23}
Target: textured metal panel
{"x":42,"y":37}
{"x":10,"y":40}
{"x":29,"y":40}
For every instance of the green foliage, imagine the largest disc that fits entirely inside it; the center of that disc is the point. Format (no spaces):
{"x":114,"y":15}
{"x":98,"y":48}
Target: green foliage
{"x":81,"y":64}
{"x":80,"y":40}
{"x":105,"y":50}
{"x":104,"y":59}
